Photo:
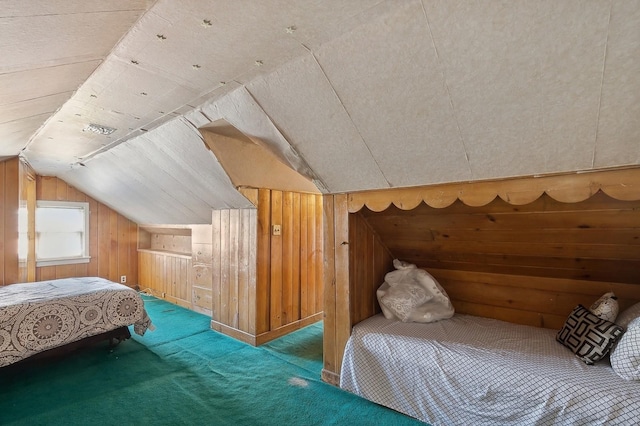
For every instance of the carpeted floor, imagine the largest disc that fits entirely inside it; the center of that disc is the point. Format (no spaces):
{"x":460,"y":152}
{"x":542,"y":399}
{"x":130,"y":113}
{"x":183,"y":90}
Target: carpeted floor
{"x":183,"y":373}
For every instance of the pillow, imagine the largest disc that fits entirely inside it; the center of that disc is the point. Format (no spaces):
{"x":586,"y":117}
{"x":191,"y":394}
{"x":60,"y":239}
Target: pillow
{"x":628,"y":315}
{"x":411,"y":294}
{"x":606,"y":307}
{"x":625,"y":357}
{"x":401,"y":299}
{"x":589,"y":337}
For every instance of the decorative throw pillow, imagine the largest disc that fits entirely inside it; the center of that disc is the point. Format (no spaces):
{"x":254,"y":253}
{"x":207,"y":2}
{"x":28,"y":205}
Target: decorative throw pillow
{"x":401,"y":299}
{"x":625,"y":357}
{"x":628,"y":315}
{"x":589,"y":337}
{"x":606,"y":307}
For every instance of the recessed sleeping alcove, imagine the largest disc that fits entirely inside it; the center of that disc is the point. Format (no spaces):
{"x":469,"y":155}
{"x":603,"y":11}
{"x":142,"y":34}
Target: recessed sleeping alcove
{"x":525,"y":250}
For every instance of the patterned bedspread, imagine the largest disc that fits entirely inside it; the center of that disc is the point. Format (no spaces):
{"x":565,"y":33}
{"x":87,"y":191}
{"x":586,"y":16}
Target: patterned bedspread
{"x":38,"y":316}
{"x":471,"y":370}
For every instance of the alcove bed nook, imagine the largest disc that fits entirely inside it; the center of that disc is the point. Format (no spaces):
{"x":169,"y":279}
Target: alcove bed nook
{"x":522,"y":250}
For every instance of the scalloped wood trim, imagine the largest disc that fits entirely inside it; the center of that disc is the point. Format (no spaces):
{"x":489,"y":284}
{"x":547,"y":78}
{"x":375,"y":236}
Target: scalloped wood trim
{"x":621,"y":184}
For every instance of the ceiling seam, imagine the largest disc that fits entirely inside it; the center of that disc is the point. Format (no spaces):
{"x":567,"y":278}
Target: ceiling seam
{"x":48,"y":67}
{"x":335,"y":93}
{"x":446,"y":86}
{"x":37,"y":98}
{"x":604,"y":65}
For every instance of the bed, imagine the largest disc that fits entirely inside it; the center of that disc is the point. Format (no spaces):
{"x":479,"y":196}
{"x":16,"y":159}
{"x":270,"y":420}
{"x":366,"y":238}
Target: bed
{"x":38,"y":317}
{"x":475,"y":370}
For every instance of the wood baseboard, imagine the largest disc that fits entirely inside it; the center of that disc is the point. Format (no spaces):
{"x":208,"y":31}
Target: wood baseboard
{"x":262,"y":338}
{"x":330,"y":377}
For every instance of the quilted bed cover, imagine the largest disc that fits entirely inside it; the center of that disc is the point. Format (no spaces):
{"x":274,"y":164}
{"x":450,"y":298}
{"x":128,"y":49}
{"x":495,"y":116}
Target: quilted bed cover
{"x":472,"y":370}
{"x":42,"y":315}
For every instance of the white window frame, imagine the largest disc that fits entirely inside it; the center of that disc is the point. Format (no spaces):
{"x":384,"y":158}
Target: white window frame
{"x":85,"y":257}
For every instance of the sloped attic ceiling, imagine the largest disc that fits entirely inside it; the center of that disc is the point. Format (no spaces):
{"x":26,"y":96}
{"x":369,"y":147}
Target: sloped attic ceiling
{"x":362,"y":94}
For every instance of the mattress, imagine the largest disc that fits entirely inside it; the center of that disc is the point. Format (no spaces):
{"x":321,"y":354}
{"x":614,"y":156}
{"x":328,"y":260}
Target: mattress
{"x":38,"y":316}
{"x":472,"y":370}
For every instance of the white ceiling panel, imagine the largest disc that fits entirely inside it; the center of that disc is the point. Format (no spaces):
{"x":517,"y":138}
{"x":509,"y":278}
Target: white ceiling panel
{"x":619,"y":122}
{"x":171,"y":167}
{"x":14,"y":133}
{"x":19,"y":86}
{"x":34,"y":107}
{"x":79,"y":37}
{"x":387,"y":75}
{"x":524,"y":79}
{"x":336,"y":152}
{"x":230,"y":41}
{"x":120,"y":191}
{"x":126,"y":89}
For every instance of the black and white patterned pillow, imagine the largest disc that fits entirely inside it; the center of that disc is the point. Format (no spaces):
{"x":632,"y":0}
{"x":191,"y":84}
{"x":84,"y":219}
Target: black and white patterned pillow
{"x":589,"y":337}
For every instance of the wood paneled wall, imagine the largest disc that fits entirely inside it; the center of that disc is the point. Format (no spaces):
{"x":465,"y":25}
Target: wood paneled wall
{"x":112,"y":238}
{"x":528,"y":263}
{"x":9,"y":204}
{"x":355,"y":263}
{"x":294,"y":258}
{"x":166,"y":275}
{"x":266,"y":285}
{"x":235,"y":296}
{"x":597,"y":239}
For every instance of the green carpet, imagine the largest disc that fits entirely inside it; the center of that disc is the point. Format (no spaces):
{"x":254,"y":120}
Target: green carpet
{"x":183,"y":373}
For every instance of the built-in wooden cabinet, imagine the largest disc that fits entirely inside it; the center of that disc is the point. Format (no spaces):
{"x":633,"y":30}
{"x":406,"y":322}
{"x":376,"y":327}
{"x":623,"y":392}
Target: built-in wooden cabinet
{"x":201,"y":269}
{"x":165,"y":262}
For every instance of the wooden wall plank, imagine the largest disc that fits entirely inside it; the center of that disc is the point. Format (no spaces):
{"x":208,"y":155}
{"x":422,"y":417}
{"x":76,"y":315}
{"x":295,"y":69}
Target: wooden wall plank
{"x":287,"y":258}
{"x":234,"y":265}
{"x":263,"y":257}
{"x":318,"y":258}
{"x":296,"y":270}
{"x":251,"y":228}
{"x":216,"y":264}
{"x":225,"y":308}
{"x":10,"y":216}
{"x":343,"y":286}
{"x":312,"y":253}
{"x":276,"y":319}
{"x":244,"y":283}
{"x":305,"y":287}
{"x":330,"y":350}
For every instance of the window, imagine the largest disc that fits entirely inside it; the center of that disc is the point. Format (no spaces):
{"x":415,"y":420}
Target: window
{"x":62,"y":233}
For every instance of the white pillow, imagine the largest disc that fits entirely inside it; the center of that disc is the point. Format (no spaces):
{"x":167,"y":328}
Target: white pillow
{"x":606,"y":307}
{"x":411,"y":294}
{"x":625,"y":358}
{"x":628,"y":315}
{"x":401,"y":299}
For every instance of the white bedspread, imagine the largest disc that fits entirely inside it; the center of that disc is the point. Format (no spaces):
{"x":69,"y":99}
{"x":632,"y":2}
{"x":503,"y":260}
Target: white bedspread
{"x":38,"y":316}
{"x":471,"y":370}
